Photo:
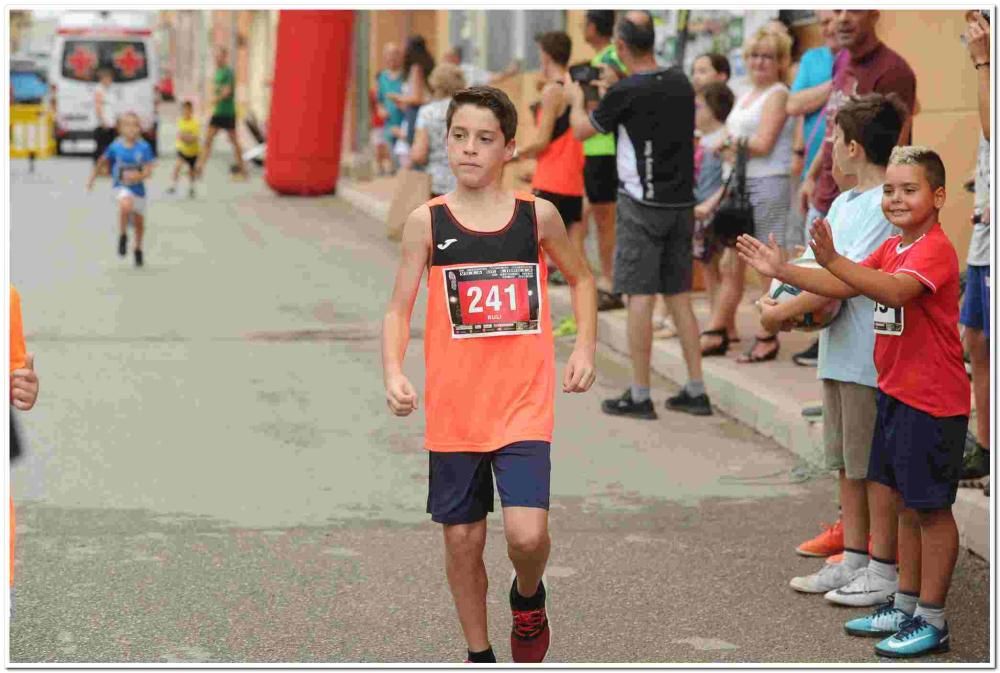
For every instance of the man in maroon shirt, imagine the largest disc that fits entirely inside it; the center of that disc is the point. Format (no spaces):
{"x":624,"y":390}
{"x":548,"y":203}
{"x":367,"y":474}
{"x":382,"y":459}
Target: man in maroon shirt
{"x":864,"y":65}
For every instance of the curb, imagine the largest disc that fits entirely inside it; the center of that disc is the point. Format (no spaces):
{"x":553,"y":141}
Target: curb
{"x":755,"y":403}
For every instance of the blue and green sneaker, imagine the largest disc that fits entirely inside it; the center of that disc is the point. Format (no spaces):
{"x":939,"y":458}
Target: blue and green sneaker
{"x":915,"y":639}
{"x":885,"y":621}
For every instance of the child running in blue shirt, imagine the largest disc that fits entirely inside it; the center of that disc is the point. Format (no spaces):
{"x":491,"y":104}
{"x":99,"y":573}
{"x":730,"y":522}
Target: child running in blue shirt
{"x":131,"y":162}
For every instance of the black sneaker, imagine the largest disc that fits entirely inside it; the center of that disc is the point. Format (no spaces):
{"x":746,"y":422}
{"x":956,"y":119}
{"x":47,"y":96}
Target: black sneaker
{"x":122,"y":245}
{"x":624,"y":406}
{"x":172,"y":189}
{"x":809,"y":357}
{"x":138,"y":257}
{"x":698,"y":405}
{"x":976,"y":461}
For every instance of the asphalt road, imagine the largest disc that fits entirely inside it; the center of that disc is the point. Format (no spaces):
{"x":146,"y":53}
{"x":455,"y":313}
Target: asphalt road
{"x":212,"y":475}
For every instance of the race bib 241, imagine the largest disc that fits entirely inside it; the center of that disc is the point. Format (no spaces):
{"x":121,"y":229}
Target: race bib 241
{"x":493,"y":300}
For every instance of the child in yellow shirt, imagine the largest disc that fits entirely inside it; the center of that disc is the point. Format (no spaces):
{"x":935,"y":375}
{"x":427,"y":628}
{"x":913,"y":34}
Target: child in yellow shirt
{"x":188,"y":132}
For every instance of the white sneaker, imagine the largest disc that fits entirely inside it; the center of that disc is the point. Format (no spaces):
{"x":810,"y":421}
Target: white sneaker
{"x":865,"y":589}
{"x":829,"y":577}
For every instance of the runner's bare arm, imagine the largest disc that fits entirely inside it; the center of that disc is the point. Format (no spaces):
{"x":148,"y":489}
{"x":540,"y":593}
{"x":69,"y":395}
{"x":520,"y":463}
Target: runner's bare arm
{"x":552,"y":101}
{"x":101,"y":163}
{"x":416,"y":245}
{"x":580,"y":370}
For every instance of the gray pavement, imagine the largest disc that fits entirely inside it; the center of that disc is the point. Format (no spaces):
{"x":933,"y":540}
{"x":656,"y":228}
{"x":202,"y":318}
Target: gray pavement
{"x":212,"y":475}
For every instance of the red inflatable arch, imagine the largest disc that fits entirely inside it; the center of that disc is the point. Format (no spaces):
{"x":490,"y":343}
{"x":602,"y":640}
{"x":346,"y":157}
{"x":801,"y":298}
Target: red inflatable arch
{"x":311,"y":76}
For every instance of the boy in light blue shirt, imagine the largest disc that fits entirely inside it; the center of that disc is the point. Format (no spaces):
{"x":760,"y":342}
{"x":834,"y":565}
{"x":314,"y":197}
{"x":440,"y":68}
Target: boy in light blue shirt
{"x":866,"y":130}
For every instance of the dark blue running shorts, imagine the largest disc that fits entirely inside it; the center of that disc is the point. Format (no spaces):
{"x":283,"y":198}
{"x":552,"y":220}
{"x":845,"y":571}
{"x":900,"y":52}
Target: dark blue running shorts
{"x":460,"y":487}
{"x":916,"y":454}
{"x":976,"y":306}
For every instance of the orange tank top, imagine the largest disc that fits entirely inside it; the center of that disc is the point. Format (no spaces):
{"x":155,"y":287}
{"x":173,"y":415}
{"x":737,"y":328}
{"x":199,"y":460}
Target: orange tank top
{"x":560,"y":165}
{"x":490,"y":358}
{"x":18,"y":355}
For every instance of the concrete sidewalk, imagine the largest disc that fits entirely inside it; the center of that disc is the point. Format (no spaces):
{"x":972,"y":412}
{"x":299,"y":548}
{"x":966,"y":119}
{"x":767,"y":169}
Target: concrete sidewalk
{"x":768,"y":397}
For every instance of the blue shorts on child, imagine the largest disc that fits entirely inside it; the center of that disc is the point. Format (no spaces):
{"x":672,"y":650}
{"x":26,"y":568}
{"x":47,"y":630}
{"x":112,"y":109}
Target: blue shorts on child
{"x":916,"y":454}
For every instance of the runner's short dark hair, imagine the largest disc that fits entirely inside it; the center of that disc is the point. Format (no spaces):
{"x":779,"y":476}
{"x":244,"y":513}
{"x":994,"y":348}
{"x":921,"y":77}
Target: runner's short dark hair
{"x":720,"y":99}
{"x":187,"y":103}
{"x":603,"y":20}
{"x":556,"y":44}
{"x":720,"y":63}
{"x":640,"y":38}
{"x":492,"y":99}
{"x":873,"y":121}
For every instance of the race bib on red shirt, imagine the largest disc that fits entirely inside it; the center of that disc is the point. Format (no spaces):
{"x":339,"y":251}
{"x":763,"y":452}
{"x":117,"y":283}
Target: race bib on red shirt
{"x":493,"y":300}
{"x":888,"y":320}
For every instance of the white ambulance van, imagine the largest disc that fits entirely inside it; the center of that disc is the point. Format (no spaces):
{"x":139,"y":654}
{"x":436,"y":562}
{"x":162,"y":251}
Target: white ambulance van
{"x":87,"y":41}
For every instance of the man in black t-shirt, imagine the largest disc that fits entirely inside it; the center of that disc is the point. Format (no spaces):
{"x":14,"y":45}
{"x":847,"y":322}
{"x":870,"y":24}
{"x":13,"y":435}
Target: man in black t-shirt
{"x":651,"y":113}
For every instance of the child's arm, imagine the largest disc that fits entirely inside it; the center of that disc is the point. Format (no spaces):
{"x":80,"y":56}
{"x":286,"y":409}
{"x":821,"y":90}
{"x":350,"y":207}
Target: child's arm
{"x":775,"y":317}
{"x":580,"y":371}
{"x":23,"y":380}
{"x":416,"y":245}
{"x":892,"y":290}
{"x":768,"y":260}
{"x":704,"y":209}
{"x":101,"y":163}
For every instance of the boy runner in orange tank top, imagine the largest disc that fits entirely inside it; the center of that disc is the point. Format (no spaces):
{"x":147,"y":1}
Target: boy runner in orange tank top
{"x":23,"y":393}
{"x":490,"y":364}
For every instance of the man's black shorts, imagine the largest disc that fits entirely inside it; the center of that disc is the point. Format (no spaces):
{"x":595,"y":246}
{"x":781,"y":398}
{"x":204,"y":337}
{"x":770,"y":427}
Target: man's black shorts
{"x":569,"y":207}
{"x":916,"y":454}
{"x":191,"y":161}
{"x":600,"y":179}
{"x":223,"y":122}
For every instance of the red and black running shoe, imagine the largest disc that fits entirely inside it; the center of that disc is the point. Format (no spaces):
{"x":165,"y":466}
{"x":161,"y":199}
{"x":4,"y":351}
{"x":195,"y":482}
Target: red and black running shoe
{"x":530,"y":634}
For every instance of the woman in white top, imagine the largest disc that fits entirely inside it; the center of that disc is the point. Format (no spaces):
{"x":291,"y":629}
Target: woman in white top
{"x":430,"y":143}
{"x":759,"y":118}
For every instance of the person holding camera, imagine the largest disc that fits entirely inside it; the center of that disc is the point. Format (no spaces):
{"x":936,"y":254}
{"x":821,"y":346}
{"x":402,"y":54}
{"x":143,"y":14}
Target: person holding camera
{"x":652,"y":112}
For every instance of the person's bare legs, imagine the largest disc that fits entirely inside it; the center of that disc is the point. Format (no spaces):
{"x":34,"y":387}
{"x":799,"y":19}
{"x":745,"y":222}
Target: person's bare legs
{"x":687,"y":330}
{"x":466,"y":572}
{"x":528,"y":545}
{"x":604,"y":218}
{"x":978,"y":346}
{"x":237,"y":151}
{"x":938,"y":554}
{"x":730,"y":294}
{"x":207,"y":151}
{"x":883,"y":518}
{"x":140,"y":228}
{"x":639,"y":325}
{"x":854,"y":510}
{"x":124,"y":211}
{"x":178,"y":165}
{"x":910,"y":555}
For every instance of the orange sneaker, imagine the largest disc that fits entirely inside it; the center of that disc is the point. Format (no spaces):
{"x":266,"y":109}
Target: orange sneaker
{"x":827,"y":543}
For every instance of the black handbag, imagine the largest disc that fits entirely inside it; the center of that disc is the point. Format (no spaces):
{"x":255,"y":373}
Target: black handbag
{"x":734,"y":216}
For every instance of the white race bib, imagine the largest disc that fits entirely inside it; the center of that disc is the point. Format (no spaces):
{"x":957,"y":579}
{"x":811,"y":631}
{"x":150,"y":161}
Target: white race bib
{"x":493,"y":300}
{"x":888,"y":321}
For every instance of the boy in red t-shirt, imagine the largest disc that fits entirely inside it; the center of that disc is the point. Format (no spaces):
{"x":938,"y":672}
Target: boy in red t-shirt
{"x":923,"y":390}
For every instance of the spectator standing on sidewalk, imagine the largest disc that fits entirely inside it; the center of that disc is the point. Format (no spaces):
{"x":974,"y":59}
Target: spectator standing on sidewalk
{"x":600,"y":174}
{"x":758,"y":119}
{"x":867,"y":129}
{"x":224,"y":114}
{"x":652,"y":113}
{"x":558,"y":175}
{"x":709,"y":68}
{"x":390,"y":81}
{"x":864,"y":65}
{"x":104,"y":105}
{"x":417,"y":64}
{"x":430,"y":143}
{"x":976,"y":309}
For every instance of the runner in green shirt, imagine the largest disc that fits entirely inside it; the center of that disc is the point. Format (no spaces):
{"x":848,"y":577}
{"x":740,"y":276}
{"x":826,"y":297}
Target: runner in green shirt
{"x":224,"y":113}
{"x":600,"y":174}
